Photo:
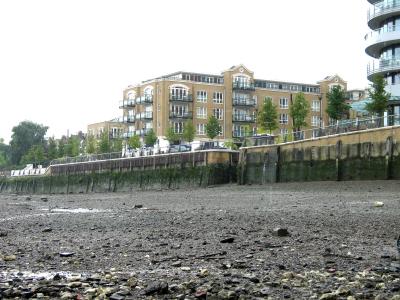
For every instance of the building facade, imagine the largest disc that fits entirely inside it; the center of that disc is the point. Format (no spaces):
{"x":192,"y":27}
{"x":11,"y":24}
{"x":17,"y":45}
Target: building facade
{"x":115,"y":129}
{"x":383,"y":45}
{"x":234,"y":98}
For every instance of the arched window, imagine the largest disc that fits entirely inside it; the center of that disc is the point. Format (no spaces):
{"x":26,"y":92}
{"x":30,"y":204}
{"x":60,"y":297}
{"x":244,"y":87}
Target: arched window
{"x":131,"y":95}
{"x":179,"y":92}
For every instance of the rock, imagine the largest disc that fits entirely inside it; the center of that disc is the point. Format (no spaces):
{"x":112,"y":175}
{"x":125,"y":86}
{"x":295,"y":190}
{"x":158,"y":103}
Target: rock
{"x":74,"y":284}
{"x":176,"y":264}
{"x":265,"y":291}
{"x":281,"y":232}
{"x":159,"y":288}
{"x":328,"y":296}
{"x":228,"y":240}
{"x":66,"y":254}
{"x":44,"y":199}
{"x":28,"y":198}
{"x":137,"y":206}
{"x":9,"y":258}
{"x":343,"y":291}
{"x":57,"y":277}
{"x":378,"y":204}
{"x":186,"y":269}
{"x":201,"y":294}
{"x":223,"y":294}
{"x":66,"y":295}
{"x":48,"y":229}
{"x":3,"y":233}
{"x":116,"y":296}
{"x":203,"y":273}
{"x":397,"y":297}
{"x":132,"y":282}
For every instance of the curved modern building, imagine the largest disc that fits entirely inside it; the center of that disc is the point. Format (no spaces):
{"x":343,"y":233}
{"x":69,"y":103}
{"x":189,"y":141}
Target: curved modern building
{"x":383,"y":44}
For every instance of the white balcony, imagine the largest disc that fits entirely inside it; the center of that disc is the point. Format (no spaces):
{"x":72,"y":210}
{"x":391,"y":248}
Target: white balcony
{"x":382,"y":38}
{"x":382,"y":11}
{"x":382,"y":67}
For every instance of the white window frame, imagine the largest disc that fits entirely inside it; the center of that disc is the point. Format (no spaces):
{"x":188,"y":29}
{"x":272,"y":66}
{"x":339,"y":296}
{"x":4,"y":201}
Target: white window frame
{"x":218,"y":97}
{"x":315,"y":121}
{"x":178,"y":127}
{"x":283,"y":119}
{"x":283,"y":103}
{"x":201,"y":112}
{"x":218,"y":113}
{"x":201,"y":96}
{"x":201,"y":129}
{"x":316,"y":106}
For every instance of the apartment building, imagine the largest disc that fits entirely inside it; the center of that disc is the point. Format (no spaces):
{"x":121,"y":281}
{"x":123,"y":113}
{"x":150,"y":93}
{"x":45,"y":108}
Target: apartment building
{"x":114,"y":127}
{"x":234,"y":98}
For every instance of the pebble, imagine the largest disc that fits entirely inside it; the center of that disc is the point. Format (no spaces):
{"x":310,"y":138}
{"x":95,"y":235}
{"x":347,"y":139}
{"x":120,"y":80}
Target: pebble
{"x":228,"y":240}
{"x":281,"y":232}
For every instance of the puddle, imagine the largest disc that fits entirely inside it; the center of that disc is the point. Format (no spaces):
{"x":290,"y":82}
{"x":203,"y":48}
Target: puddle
{"x":74,"y":210}
{"x":27,"y":275}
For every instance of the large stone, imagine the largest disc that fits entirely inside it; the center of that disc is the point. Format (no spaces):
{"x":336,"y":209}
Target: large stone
{"x":156,"y":288}
{"x":281,"y":232}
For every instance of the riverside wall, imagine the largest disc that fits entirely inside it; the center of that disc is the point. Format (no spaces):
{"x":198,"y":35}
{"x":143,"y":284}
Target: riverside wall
{"x":363,"y":155}
{"x":168,"y":171}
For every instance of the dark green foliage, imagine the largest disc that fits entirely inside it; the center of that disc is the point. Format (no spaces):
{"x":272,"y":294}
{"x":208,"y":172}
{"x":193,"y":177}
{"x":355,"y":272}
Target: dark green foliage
{"x":337,"y":107}
{"x":134,"y":142}
{"x":267,"y":117}
{"x":212,"y":127}
{"x":172,"y":137}
{"x":188,"y":132}
{"x":104,"y":143}
{"x":35,"y":156}
{"x":299,"y":111}
{"x":25,"y":135}
{"x":378,"y":95}
{"x":150,"y":138}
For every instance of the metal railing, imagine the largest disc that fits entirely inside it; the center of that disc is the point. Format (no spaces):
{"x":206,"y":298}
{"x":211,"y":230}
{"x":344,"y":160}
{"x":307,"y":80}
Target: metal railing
{"x":183,"y":98}
{"x":344,"y":126}
{"x":127,"y":103}
{"x":243,"y":102}
{"x":147,"y":115}
{"x":243,"y":118}
{"x":383,"y":66}
{"x":84,"y":158}
{"x":376,"y":33}
{"x":128,"y":119}
{"x":243,"y":86}
{"x":383,"y":8}
{"x":180,"y":115}
{"x":146,"y":99}
{"x":143,"y":131}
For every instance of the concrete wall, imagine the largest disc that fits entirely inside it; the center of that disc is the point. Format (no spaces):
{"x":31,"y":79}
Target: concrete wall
{"x":181,"y":170}
{"x":371,"y":154}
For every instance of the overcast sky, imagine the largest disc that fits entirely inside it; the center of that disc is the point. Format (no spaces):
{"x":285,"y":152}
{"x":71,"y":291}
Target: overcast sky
{"x":64,"y":64}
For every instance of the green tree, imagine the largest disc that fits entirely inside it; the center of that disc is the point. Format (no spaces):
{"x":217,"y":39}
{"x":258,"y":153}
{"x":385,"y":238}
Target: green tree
{"x":4,"y":154}
{"x":268,"y":116}
{"x":188,"y":132}
{"x":150,"y":138}
{"x":134,"y":142}
{"x":231,"y":145}
{"x":116,"y":145}
{"x":337,"y":107}
{"x":91,"y":144}
{"x":378,"y":95}
{"x":61,"y":147}
{"x":299,"y":111}
{"x":104,"y":143}
{"x":72,"y":148}
{"x":172,"y":136}
{"x":212,"y":127}
{"x":52,"y":152}
{"x":35,"y":155}
{"x":25,"y":135}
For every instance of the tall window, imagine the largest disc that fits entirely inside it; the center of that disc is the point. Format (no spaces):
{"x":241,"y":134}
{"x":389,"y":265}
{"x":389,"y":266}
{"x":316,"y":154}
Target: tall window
{"x":284,"y":131}
{"x":178,"y":92}
{"x":218,"y":113}
{"x":316,"y":105}
{"x":315,"y":120}
{"x":178,"y":127}
{"x":179,"y":110}
{"x":201,"y":113}
{"x":218,"y":97}
{"x":201,"y":129}
{"x":283,"y":103}
{"x":283,"y":119}
{"x":201,"y":96}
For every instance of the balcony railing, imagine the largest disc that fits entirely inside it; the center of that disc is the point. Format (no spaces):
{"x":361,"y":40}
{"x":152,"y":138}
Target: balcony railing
{"x":127,"y":103}
{"x":181,"y":98}
{"x":243,"y":118}
{"x":147,"y":115}
{"x":383,"y":8}
{"x":240,"y":134}
{"x":243,"y":86}
{"x":383,"y":66}
{"x":180,"y":115}
{"x":143,"y":100}
{"x":128,"y":119}
{"x":128,"y":134}
{"x":143,"y":131}
{"x":243,"y":102}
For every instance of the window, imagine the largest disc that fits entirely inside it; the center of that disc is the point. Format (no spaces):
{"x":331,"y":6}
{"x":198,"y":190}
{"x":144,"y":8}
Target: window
{"x":283,"y":103}
{"x":315,"y":121}
{"x":218,"y":113}
{"x":316,"y":105}
{"x":131,"y":95}
{"x":283,"y":119}
{"x":201,"y":129}
{"x":201,"y":96}
{"x":178,"y":92}
{"x":201,"y":112}
{"x":178,"y":127}
{"x":221,"y":131}
{"x":179,"y":110}
{"x":284,"y":131}
{"x":218,"y":97}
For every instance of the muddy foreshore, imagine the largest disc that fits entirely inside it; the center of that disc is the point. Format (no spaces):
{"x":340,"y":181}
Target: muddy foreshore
{"x":214,"y":243}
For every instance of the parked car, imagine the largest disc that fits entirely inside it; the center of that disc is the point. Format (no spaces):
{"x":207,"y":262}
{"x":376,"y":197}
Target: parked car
{"x":179,"y":148}
{"x":212,"y":145}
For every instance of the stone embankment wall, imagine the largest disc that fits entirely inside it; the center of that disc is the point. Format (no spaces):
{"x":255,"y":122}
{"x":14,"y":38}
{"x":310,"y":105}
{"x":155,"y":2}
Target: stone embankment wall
{"x":364,"y":155}
{"x":180,"y":170}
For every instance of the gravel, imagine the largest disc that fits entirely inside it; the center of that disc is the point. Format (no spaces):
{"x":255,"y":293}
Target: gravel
{"x":215,"y":243}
